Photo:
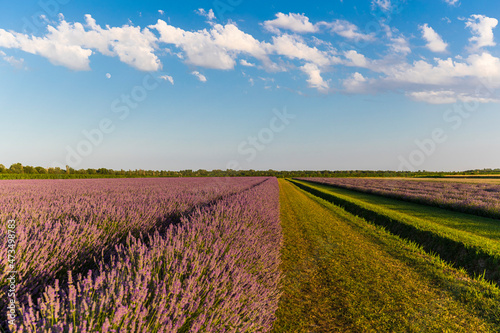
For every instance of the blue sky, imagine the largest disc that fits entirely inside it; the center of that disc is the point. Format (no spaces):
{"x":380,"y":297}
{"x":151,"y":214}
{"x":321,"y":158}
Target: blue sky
{"x":286,"y":85}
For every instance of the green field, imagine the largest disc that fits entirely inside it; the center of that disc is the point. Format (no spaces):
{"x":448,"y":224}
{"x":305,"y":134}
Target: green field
{"x":468,"y":241}
{"x":345,"y":274}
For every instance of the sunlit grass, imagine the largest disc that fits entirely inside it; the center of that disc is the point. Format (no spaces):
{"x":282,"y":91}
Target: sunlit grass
{"x":346,"y":275}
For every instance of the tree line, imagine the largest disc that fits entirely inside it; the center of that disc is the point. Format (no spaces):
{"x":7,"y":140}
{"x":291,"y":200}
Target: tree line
{"x":19,"y":171}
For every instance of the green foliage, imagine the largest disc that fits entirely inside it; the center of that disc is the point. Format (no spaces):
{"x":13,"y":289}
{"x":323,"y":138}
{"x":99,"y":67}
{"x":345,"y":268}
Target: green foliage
{"x":41,"y":170}
{"x":16,"y":168}
{"x":69,"y":172}
{"x":30,"y":170}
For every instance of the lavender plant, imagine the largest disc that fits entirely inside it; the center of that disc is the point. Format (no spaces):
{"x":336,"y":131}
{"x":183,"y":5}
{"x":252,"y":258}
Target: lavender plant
{"x":62,"y":225}
{"x":217,"y":270}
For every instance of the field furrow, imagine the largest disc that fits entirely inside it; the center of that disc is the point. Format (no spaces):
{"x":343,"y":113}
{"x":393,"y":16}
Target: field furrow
{"x":468,"y":241}
{"x":482,"y":199}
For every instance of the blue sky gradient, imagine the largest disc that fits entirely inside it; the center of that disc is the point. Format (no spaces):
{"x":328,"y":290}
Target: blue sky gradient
{"x":236,"y":84}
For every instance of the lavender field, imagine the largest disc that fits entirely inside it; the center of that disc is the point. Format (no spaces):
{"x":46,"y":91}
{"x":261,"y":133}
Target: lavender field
{"x":481,"y":199}
{"x":145,"y":255}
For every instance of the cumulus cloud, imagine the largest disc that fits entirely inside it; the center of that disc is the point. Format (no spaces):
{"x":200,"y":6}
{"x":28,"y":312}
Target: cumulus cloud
{"x":216,"y":48}
{"x":108,"y":76}
{"x":434,"y":97}
{"x":14,"y":62}
{"x":384,"y":5}
{"x":209,"y":15}
{"x":161,"y":12}
{"x":356,"y":83}
{"x":356,"y":59}
{"x":200,"y":76}
{"x":448,"y":97}
{"x":71,"y":44}
{"x":348,"y":30}
{"x":295,"y":22}
{"x":243,"y":62}
{"x":400,"y":45}
{"x":482,"y":28}
{"x":294,"y":47}
{"x":443,"y":81}
{"x":168,"y":78}
{"x":434,"y":42}
{"x":223,"y":46}
{"x":447,"y":71}
{"x":71,"y":56}
{"x":453,"y":2}
{"x":315,"y":80}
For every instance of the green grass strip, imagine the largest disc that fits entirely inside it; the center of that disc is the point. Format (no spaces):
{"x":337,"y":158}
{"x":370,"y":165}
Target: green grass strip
{"x":467,"y":241}
{"x":343,"y":274}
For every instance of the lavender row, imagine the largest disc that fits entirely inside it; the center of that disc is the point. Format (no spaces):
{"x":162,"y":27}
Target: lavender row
{"x":218,"y":271}
{"x":62,"y":224}
{"x":478,"y":199}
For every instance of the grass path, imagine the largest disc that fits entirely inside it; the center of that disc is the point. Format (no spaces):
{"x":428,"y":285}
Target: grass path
{"x":345,"y":275}
{"x":468,"y":241}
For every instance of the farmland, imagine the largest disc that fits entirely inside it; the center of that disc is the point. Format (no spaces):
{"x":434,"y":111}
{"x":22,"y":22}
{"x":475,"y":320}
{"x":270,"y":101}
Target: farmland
{"x":190,"y":255}
{"x":347,"y":275}
{"x":251,"y":254}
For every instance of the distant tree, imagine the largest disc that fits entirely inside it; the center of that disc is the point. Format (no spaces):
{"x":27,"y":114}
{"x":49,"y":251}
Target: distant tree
{"x":2,"y":168}
{"x":41,"y":170}
{"x":103,"y":171}
{"x":16,"y":168}
{"x":30,"y":170}
{"x":56,"y":171}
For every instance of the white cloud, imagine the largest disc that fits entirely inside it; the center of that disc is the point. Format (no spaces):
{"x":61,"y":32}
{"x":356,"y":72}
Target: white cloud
{"x":434,"y":42}
{"x":452,"y":2}
{"x":482,"y":28}
{"x":400,"y":45}
{"x":315,"y":80}
{"x":167,"y":78}
{"x":348,"y":30}
{"x":216,"y":48}
{"x":434,"y":97}
{"x":447,"y":97}
{"x":132,"y":45}
{"x":295,"y":22}
{"x":71,"y":56}
{"x":356,"y":59}
{"x":14,"y":62}
{"x":356,"y":83}
{"x":200,"y":76}
{"x":209,"y":15}
{"x":71,"y":45}
{"x":447,"y":71}
{"x":243,"y":62}
{"x":161,"y":12}
{"x":384,"y":5}
{"x":294,"y":47}
{"x":108,"y":75}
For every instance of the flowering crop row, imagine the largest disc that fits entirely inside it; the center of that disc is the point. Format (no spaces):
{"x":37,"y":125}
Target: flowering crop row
{"x":63,"y":224}
{"x":478,"y":199}
{"x":216,"y":271}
